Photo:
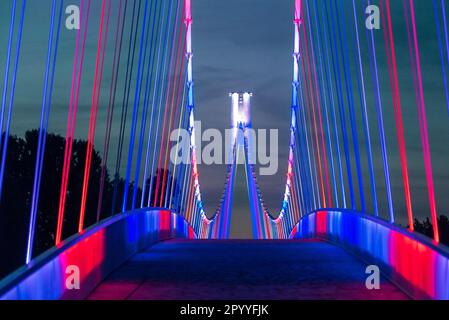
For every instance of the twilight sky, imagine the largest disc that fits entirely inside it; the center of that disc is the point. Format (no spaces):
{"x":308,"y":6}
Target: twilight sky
{"x":246,"y":45}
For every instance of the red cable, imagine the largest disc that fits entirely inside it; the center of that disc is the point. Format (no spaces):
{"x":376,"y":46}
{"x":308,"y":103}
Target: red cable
{"x":74,"y":98}
{"x":99,"y":66}
{"x":394,"y":82}
{"x":170,"y":80}
{"x":176,"y":90}
{"x":323,"y":143}
{"x":424,"y":128}
{"x":312,"y":101}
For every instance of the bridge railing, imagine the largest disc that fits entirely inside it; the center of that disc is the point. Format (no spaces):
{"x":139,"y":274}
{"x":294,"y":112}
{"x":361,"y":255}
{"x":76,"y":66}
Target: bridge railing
{"x":417,"y":264}
{"x":75,"y":267}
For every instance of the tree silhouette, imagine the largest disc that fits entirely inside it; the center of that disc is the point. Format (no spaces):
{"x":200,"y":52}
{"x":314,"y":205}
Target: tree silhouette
{"x":425,"y":227}
{"x":17,"y":195}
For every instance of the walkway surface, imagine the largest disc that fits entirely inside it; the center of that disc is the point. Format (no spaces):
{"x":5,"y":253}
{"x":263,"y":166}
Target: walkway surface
{"x":238,"y":270}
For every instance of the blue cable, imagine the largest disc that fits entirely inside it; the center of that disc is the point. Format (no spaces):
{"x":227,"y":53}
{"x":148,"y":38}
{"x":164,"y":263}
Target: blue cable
{"x":337,"y":75}
{"x":142,"y":55}
{"x":363,"y":110}
{"x":155,"y":91}
{"x":446,"y":35}
{"x":168,"y":133}
{"x":43,"y":127}
{"x":149,"y":82}
{"x":124,"y":112}
{"x":161,"y":96}
{"x":174,"y":177}
{"x":341,"y":25}
{"x":320,"y":71}
{"x":380,"y":123}
{"x":11,"y":98}
{"x":330,"y":88}
{"x":440,"y":45}
{"x":306,"y":149}
{"x":7,"y":67}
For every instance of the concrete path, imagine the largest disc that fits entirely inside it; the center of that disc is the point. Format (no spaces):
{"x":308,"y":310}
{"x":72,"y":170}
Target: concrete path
{"x":235,"y":270}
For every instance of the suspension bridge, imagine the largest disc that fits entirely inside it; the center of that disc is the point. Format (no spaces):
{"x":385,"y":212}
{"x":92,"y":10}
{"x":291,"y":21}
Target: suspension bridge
{"x":131,"y":223}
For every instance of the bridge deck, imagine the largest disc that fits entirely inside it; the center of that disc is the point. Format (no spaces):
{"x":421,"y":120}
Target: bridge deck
{"x":242,"y":270}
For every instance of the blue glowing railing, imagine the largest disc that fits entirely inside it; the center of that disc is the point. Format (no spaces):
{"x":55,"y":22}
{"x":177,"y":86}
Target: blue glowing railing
{"x":96,"y":252}
{"x":417,"y":264}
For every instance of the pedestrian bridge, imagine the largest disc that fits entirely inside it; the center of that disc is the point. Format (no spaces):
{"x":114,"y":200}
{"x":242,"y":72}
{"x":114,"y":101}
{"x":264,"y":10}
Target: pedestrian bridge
{"x":130,"y":222}
{"x":153,"y":254}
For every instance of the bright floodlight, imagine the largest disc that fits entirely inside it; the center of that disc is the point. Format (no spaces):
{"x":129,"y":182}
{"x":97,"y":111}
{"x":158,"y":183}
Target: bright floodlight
{"x":241,"y":108}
